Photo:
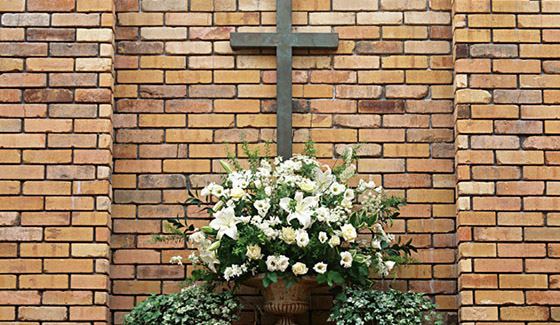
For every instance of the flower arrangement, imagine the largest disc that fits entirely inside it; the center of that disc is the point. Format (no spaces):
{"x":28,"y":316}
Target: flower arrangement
{"x":294,"y":218}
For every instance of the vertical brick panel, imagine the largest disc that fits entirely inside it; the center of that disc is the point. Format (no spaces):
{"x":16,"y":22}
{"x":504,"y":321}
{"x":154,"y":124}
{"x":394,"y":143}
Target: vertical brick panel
{"x":506,"y":158}
{"x":56,"y":104}
{"x":184,"y":99}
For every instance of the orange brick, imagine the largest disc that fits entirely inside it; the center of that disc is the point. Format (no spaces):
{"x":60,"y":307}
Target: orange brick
{"x":68,"y":266}
{"x":42,"y":313}
{"x":98,"y":313}
{"x":71,"y":234}
{"x":504,"y":297}
{"x":96,"y":281}
{"x":43,"y":281}
{"x":524,"y":313}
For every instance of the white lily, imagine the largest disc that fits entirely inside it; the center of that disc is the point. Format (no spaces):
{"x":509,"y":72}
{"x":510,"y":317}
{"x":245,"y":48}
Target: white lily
{"x":323,"y":180}
{"x":303,"y":210}
{"x":225,"y":223}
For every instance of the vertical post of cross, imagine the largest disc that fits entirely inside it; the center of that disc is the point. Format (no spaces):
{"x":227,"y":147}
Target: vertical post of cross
{"x":284,"y":78}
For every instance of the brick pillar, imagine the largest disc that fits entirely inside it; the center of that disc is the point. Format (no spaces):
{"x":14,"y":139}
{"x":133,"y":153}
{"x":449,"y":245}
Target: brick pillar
{"x":507,"y":160}
{"x":55,"y":159}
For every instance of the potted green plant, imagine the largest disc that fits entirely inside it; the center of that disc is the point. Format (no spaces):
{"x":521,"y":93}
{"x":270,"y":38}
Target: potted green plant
{"x":193,"y":305}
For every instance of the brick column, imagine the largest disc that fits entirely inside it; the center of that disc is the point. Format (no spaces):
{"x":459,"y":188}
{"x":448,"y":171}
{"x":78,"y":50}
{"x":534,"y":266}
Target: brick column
{"x":55,"y":160}
{"x":507,"y":160}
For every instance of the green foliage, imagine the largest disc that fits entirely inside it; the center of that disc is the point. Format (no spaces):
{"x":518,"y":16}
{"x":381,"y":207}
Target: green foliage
{"x":358,"y":306}
{"x":195,"y":305}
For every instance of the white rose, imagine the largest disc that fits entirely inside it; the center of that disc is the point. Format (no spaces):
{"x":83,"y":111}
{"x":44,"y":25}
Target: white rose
{"x":282,"y":263}
{"x":307,"y":185}
{"x":346,"y":259}
{"x":302,"y":238}
{"x":349,"y":232}
{"x":271,"y":264}
{"x":320,"y":268}
{"x":323,"y":237}
{"x":299,"y":268}
{"x":254,"y":252}
{"x":237,"y":192}
{"x":334,"y":241}
{"x":288,"y":235}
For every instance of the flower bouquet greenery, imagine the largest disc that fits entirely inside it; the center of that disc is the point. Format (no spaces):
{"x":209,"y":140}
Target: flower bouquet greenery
{"x":293,"y":218}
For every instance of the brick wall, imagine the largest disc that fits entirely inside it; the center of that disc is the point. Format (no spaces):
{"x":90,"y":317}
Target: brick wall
{"x":184,"y":98}
{"x":507,"y":160}
{"x":55,"y":160}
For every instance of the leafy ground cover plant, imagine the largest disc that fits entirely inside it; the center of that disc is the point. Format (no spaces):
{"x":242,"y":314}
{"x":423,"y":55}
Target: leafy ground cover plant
{"x":359,"y":306}
{"x":194,"y":305}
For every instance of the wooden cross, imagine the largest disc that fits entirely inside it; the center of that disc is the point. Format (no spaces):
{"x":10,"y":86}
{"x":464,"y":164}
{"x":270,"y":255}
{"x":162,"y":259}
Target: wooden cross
{"x":284,"y":41}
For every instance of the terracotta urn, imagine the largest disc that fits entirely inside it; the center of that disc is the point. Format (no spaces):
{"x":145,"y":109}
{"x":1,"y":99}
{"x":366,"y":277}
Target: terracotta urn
{"x":285,"y":303}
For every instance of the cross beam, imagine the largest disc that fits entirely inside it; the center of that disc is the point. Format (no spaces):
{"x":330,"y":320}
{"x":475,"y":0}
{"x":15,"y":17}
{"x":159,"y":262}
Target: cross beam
{"x":284,"y":41}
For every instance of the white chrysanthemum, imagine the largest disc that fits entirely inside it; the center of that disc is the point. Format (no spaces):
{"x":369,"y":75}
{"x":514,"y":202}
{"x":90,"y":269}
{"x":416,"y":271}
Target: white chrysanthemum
{"x":299,"y":268}
{"x":302,"y":238}
{"x":337,"y":188}
{"x":349,"y":233}
{"x":320,"y":268}
{"x":346,"y":259}
{"x":323,"y":237}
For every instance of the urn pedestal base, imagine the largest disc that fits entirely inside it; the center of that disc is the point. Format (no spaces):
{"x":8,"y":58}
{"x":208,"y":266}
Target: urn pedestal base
{"x":285,"y":303}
